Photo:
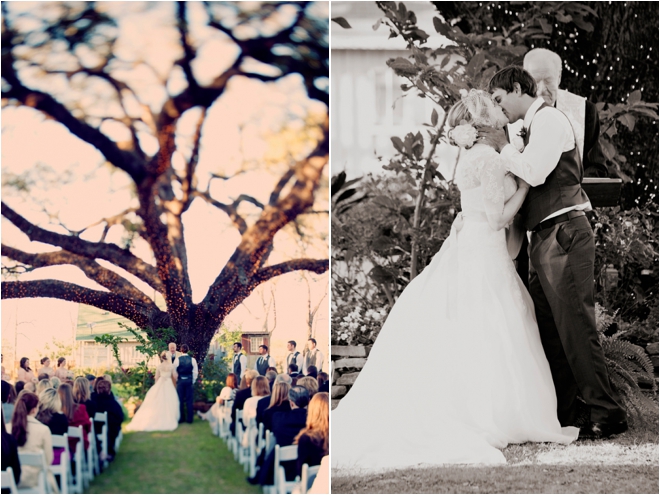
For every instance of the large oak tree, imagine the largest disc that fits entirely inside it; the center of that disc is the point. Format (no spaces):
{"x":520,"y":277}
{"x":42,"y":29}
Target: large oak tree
{"x":78,"y":43}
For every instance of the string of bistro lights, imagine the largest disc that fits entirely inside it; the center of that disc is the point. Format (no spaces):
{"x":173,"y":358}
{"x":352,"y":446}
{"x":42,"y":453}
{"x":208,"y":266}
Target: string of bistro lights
{"x":593,"y":62}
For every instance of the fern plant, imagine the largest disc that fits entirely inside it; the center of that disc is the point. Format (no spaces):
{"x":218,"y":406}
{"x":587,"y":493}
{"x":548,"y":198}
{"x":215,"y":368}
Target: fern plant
{"x":628,"y":366}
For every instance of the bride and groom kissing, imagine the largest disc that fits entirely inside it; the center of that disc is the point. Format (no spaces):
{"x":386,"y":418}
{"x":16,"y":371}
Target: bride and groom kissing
{"x":506,"y":365}
{"x":170,"y":400}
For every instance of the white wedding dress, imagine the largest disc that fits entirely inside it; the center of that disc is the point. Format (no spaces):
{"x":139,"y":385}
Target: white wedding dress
{"x":457,"y":371}
{"x":160,"y":409}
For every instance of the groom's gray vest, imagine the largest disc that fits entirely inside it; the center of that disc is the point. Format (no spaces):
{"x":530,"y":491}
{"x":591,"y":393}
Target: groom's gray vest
{"x":185,"y":369}
{"x":561,"y":189}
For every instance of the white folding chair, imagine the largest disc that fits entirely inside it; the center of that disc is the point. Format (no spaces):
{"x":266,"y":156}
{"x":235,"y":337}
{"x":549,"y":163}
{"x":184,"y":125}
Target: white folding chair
{"x":77,"y":480}
{"x":234,"y":441}
{"x":243,"y":449}
{"x":118,"y":440}
{"x":103,"y":436}
{"x":36,"y":459}
{"x":92,"y":458}
{"x":253,"y":438}
{"x":224,"y":421}
{"x":283,"y":454}
{"x":8,"y":481}
{"x":307,"y":476}
{"x":63,"y":469}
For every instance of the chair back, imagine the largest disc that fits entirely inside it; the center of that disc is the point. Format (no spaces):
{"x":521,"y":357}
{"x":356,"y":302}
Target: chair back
{"x":36,"y":459}
{"x":283,"y":454}
{"x":78,"y":456}
{"x":307,"y":476}
{"x":8,"y":481}
{"x":63,"y":469}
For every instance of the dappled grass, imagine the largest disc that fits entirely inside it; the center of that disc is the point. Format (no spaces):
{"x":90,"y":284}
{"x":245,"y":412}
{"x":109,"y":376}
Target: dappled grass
{"x":524,"y":473}
{"x":506,"y":479}
{"x":187,"y":460}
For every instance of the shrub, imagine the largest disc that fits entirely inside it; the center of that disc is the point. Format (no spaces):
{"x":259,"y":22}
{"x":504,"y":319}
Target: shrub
{"x":628,"y":365}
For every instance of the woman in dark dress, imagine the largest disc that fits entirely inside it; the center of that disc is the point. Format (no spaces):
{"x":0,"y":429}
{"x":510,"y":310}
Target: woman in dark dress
{"x":10,"y":454}
{"x":106,"y":402}
{"x":279,"y":402}
{"x":312,"y":441}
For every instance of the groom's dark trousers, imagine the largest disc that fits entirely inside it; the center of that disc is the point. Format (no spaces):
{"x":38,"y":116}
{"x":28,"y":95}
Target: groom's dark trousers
{"x":184,"y":387}
{"x":561,"y":283}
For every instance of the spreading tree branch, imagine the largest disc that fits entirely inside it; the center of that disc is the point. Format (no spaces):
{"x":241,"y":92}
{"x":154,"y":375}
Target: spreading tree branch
{"x":311,"y":265}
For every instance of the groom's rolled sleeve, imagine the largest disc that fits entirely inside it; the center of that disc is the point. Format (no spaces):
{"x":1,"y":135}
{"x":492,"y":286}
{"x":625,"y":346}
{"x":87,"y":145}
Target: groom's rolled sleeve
{"x":549,"y":138}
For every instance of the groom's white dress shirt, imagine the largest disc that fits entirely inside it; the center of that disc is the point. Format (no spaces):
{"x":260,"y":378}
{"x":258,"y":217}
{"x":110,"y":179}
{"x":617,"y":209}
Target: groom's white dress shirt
{"x":551,"y":136}
{"x":194,"y":363}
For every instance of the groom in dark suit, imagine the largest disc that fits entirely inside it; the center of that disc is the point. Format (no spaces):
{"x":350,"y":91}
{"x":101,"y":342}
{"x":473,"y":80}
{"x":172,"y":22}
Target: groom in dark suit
{"x":562,"y":250}
{"x":186,"y":368}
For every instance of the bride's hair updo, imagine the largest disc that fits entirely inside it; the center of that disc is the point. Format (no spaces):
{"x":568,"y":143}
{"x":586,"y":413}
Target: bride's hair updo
{"x":474,"y":109}
{"x":163,"y":356}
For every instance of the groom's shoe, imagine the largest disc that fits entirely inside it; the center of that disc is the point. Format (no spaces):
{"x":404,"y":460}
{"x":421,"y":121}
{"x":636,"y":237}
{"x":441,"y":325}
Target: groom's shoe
{"x":596,"y":431}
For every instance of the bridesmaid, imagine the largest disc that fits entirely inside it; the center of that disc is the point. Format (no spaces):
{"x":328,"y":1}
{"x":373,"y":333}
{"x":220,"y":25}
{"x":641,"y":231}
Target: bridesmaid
{"x":62,"y":372}
{"x":45,"y":368}
{"x":25,"y":373}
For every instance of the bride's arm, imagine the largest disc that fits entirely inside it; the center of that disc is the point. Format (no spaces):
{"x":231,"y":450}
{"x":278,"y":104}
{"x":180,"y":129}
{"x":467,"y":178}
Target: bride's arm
{"x":498,"y":212}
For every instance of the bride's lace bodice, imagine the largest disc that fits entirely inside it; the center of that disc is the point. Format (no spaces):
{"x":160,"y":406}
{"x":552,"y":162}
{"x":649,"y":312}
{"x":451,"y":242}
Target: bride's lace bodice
{"x":164,"y":370}
{"x":483,"y":180}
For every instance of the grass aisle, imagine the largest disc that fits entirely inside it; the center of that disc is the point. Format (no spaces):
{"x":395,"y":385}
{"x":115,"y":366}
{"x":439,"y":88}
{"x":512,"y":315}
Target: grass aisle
{"x":187,"y":460}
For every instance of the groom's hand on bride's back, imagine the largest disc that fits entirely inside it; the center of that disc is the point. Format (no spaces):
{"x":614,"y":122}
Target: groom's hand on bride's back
{"x":495,"y":138}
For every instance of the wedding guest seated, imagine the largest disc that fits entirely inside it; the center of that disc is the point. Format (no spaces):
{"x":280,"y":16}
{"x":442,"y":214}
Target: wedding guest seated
{"x":283,"y":377}
{"x":279,"y":402}
{"x":82,"y":395}
{"x":271,"y":368}
{"x":31,"y":436}
{"x":45,"y":368}
{"x":43,"y":385}
{"x":18,"y":386}
{"x":324,"y":382}
{"x":10,"y":454}
{"x":293,"y":370}
{"x":227,"y":393}
{"x":312,"y":371}
{"x":105,"y":402}
{"x":8,"y":399}
{"x":309,"y":383}
{"x":62,"y":372}
{"x":313,"y":440}
{"x":286,"y":425}
{"x":76,"y":415}
{"x":30,"y":387}
{"x":242,"y":396}
{"x":270,"y":376}
{"x":50,"y":413}
{"x":260,"y":390}
{"x":43,"y":376}
{"x":25,"y":373}
{"x":55,"y":382}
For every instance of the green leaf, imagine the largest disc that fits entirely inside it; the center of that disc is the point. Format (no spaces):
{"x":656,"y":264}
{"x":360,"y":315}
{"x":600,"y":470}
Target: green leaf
{"x":627,"y":120}
{"x":342,"y":22}
{"x":634,"y":97}
{"x":398,"y":144}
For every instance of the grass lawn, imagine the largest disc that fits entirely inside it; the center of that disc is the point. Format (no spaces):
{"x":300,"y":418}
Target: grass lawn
{"x":187,"y":460}
{"x":627,"y":463}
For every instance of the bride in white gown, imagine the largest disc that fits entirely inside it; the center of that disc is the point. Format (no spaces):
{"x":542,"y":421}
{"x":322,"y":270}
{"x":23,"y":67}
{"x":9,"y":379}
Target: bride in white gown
{"x":160,"y":409}
{"x":476,"y":377}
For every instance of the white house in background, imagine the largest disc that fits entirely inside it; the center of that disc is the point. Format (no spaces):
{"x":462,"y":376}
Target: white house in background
{"x":367,"y":104}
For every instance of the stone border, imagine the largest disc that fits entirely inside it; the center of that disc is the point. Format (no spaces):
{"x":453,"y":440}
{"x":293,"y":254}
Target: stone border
{"x":347,"y":362}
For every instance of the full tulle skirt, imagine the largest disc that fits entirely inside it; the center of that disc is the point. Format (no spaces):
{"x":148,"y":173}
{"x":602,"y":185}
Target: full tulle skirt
{"x":457,"y":371}
{"x":160,"y":409}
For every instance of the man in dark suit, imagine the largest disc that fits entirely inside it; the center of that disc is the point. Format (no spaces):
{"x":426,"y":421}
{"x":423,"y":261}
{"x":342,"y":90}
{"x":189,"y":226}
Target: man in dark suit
{"x":561,"y":251}
{"x":545,"y":67}
{"x":241,"y":397}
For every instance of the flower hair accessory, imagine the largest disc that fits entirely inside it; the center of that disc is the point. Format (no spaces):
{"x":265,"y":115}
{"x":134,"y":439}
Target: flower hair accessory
{"x":463,"y":135}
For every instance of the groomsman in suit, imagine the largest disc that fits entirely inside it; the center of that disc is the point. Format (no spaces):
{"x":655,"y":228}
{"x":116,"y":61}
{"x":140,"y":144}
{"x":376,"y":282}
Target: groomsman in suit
{"x":172,"y":352}
{"x":562,"y":251}
{"x":313,"y":357}
{"x":545,"y":67}
{"x":240,"y":361}
{"x":186,"y":369}
{"x":294,"y":356}
{"x":264,"y":361}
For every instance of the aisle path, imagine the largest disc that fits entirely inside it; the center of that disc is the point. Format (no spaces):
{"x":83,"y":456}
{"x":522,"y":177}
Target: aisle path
{"x":188,"y":460}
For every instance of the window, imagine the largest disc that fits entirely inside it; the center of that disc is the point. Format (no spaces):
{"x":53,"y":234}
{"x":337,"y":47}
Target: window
{"x":255,"y":342}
